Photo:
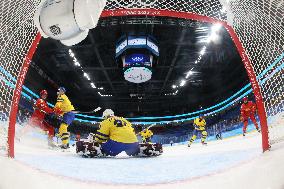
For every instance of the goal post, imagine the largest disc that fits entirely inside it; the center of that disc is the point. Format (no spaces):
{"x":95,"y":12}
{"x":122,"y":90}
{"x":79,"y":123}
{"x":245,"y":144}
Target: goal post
{"x":17,"y":33}
{"x":17,"y":95}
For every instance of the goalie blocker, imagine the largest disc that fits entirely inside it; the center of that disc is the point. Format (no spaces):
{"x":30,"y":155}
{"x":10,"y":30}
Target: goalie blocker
{"x":90,"y":148}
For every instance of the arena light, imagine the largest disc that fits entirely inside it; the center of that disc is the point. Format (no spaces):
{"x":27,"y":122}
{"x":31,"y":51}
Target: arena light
{"x":208,"y":40}
{"x":182,"y":83}
{"x":188,"y":74}
{"x":103,"y":94}
{"x":216,"y":27}
{"x":72,"y":55}
{"x":76,"y":63}
{"x":87,"y":76}
{"x":174,"y":86}
{"x":214,"y":37}
{"x":93,"y":85}
{"x":171,"y":94}
{"x":202,"y":52}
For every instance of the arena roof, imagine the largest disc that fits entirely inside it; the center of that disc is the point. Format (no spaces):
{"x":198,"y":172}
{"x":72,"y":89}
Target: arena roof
{"x":218,"y":74}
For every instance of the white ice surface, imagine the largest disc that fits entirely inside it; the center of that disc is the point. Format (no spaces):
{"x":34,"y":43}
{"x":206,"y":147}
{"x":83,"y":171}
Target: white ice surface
{"x":237,"y":162}
{"x":184,"y":162}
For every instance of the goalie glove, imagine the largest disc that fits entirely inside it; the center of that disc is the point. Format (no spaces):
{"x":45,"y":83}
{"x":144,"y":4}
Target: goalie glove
{"x":91,"y":137}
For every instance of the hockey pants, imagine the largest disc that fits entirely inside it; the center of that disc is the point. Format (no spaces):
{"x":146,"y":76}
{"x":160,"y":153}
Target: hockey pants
{"x":246,"y":122}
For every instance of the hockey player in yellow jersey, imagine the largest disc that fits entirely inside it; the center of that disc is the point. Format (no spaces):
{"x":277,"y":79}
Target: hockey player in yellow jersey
{"x":116,"y":135}
{"x":146,"y":135}
{"x":63,"y":108}
{"x":199,"y":126}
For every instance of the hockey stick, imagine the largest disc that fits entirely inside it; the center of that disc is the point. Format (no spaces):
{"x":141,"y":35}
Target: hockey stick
{"x":93,"y":111}
{"x":149,"y":126}
{"x":78,"y":112}
{"x":32,"y":100}
{"x":146,"y":128}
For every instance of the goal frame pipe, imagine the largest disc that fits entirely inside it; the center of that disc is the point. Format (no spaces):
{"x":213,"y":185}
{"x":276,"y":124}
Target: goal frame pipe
{"x":17,"y":95}
{"x":146,"y":12}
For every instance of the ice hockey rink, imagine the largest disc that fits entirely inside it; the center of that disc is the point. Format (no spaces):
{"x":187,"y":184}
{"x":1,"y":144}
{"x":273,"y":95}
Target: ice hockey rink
{"x":234,"y":162}
{"x":159,"y":64}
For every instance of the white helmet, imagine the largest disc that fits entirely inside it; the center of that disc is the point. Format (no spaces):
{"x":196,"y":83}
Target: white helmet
{"x":107,"y":113}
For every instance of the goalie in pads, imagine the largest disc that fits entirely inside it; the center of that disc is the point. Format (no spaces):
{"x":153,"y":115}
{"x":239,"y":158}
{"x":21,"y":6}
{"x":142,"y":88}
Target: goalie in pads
{"x":115,"y":136}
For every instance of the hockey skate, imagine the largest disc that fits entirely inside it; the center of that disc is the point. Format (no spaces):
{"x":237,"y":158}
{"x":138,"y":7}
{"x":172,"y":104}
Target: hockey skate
{"x":61,"y":147}
{"x":150,"y":149}
{"x":89,"y":147}
{"x":204,"y":143}
{"x":64,"y":146}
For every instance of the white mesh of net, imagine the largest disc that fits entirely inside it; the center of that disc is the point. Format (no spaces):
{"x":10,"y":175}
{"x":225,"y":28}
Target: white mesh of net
{"x":17,"y":32}
{"x":259,"y":25}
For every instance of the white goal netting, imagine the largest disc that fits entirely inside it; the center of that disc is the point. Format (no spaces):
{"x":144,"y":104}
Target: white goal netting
{"x":17,"y":32}
{"x":259,"y":24}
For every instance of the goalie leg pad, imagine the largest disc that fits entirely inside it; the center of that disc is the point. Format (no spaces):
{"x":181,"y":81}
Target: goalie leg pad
{"x":150,"y":149}
{"x":89,"y":149}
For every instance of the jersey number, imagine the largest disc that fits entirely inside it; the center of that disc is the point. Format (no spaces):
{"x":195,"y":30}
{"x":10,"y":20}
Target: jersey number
{"x":119,"y":123}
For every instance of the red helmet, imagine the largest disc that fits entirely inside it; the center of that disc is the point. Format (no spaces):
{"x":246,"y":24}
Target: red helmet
{"x":245,"y":99}
{"x":43,"y":92}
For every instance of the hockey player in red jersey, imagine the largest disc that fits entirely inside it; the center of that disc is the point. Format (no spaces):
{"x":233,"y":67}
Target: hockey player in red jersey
{"x":41,"y":108}
{"x":248,"y":110}
{"x":37,"y":119}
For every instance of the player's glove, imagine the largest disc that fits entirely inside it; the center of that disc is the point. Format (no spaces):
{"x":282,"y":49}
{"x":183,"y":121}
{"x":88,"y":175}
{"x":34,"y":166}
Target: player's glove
{"x":57,"y":111}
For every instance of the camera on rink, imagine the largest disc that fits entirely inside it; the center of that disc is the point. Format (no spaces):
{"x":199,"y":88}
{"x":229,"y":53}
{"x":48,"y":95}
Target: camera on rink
{"x":68,"y":20}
